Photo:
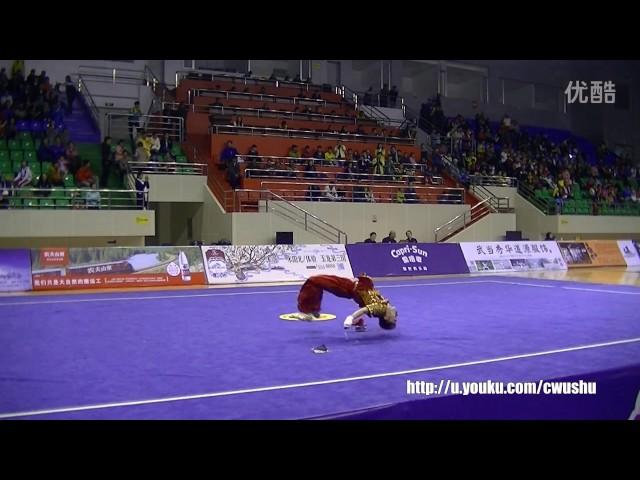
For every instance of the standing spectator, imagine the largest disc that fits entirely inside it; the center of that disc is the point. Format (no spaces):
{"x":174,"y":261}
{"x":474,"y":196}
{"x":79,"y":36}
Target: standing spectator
{"x":228,"y":153}
{"x":253,"y":159}
{"x":44,"y":153}
{"x":410,"y":238}
{"x":340,"y":151}
{"x":410,"y":193}
{"x":70,"y":89}
{"x":106,"y":160}
{"x":135,"y":113}
{"x":384,"y":95}
{"x":71,"y":154}
{"x":142,"y":187}
{"x":121,"y":158}
{"x":372,"y":238}
{"x":23,"y":177}
{"x":233,"y":174}
{"x":391,"y":238}
{"x":393,"y":96}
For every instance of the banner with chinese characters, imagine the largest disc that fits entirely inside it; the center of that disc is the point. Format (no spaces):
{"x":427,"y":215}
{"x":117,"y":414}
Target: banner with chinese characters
{"x":630,"y":250}
{"x":592,"y":253}
{"x":500,"y":257}
{"x":227,"y":264}
{"x":86,"y":268}
{"x":398,"y":259}
{"x":15,"y":270}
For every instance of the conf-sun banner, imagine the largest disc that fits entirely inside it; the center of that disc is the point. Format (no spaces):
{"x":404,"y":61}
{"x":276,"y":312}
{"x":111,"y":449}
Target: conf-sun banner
{"x":630,"y":250}
{"x":228,"y":264}
{"x":86,"y":268}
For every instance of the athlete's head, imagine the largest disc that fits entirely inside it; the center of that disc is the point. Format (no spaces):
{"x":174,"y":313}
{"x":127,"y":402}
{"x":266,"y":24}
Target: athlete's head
{"x":390,"y":318}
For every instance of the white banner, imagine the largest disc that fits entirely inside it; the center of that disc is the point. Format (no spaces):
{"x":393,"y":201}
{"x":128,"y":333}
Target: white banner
{"x":630,"y":250}
{"x":227,"y":264}
{"x":498,"y":257}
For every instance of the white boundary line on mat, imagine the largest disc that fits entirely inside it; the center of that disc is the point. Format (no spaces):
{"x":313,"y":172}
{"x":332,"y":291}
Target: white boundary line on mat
{"x":195,"y":295}
{"x":310,"y":384}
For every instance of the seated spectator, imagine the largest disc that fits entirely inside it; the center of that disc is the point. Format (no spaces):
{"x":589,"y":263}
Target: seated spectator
{"x":391,"y":238}
{"x":147,"y":143}
{"x":165,"y":145}
{"x":399,"y":197}
{"x":330,"y":193}
{"x":23,"y":177}
{"x":155,"y":148}
{"x":368,"y":195}
{"x":293,"y":152}
{"x":330,"y":156}
{"x":313,"y":193}
{"x":306,"y":152}
{"x":252,"y":157}
{"x":45,"y":184}
{"x":85,"y":176}
{"x":309,"y":170}
{"x":410,"y":238}
{"x":410,"y":193}
{"x":319,"y":154}
{"x":283,"y":125}
{"x":92,"y":197}
{"x":372,"y":238}
{"x":141,"y":154}
{"x":57,"y":148}
{"x":55,"y":176}
{"x":5,"y":191}
{"x":291,"y":169}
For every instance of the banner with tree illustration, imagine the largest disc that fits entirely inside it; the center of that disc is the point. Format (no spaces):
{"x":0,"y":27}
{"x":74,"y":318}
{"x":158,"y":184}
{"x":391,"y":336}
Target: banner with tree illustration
{"x":227,"y":264}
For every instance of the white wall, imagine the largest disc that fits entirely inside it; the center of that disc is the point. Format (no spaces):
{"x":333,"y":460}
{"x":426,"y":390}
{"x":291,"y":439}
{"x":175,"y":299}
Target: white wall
{"x":488,"y":229}
{"x":211,"y":221}
{"x":76,"y":223}
{"x":177,"y":188}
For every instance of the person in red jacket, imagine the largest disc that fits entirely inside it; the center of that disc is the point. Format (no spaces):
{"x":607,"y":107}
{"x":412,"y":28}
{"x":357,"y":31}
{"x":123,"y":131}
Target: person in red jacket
{"x":361,"y":290}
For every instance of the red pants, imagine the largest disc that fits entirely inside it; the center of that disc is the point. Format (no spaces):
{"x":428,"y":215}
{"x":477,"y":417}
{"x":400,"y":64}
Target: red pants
{"x":310,"y":296}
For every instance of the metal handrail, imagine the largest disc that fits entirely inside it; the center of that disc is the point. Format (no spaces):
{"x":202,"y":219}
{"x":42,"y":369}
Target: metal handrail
{"x":86,"y":94}
{"x":280,"y":114}
{"x":286,"y":132}
{"x":268,"y":195}
{"x":497,"y":203}
{"x":157,"y":124}
{"x":72,"y":198}
{"x":174,"y":168}
{"x":493,"y":181}
{"x":205,"y":92}
{"x":339,"y":176}
{"x":464,"y":215}
{"x":439,"y":194}
{"x":244,"y":79}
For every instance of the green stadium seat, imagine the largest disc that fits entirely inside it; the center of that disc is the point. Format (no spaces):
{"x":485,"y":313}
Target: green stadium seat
{"x":14,"y":145}
{"x":30,"y":202}
{"x":69,"y":182}
{"x":46,"y":203}
{"x":15,"y":202}
{"x":181,"y":159}
{"x":16,"y":156}
{"x":27,"y":144}
{"x":62,"y":202}
{"x":24,"y":136}
{"x":35,"y":168}
{"x":3,"y":144}
{"x":30,"y":156}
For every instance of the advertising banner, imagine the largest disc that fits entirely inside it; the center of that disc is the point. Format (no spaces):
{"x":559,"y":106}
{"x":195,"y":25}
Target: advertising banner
{"x":15,"y":270}
{"x":592,"y":253}
{"x":86,"y":268}
{"x":397,"y":259}
{"x":500,"y":257}
{"x":225,"y":264}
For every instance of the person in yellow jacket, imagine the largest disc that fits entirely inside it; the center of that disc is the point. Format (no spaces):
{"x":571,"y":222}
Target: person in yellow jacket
{"x":18,"y":66}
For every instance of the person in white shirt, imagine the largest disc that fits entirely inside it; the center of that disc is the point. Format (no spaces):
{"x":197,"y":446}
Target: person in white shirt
{"x":24,"y":176}
{"x":330,"y":193}
{"x":155,"y":147}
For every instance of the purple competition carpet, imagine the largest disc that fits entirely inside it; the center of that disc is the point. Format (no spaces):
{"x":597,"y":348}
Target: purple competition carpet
{"x":225,"y":354}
